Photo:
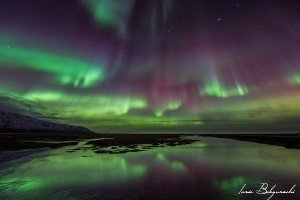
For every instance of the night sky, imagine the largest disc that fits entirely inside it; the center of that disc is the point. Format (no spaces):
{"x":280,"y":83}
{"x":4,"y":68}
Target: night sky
{"x":198,"y":65}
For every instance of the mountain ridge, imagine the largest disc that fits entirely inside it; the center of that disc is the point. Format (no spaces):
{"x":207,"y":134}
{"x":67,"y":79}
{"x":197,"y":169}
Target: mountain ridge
{"x":16,"y":123}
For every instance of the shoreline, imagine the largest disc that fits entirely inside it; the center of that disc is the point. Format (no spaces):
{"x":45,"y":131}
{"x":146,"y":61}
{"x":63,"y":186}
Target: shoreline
{"x":20,"y":144}
{"x":289,"y":141}
{"x":100,"y":143}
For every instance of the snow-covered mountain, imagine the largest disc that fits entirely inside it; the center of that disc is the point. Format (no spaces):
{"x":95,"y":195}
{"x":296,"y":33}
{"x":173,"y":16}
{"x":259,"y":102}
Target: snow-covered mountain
{"x":10,"y":122}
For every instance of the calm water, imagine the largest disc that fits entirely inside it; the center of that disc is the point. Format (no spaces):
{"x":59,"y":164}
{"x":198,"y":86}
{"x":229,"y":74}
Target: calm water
{"x":210,"y":169}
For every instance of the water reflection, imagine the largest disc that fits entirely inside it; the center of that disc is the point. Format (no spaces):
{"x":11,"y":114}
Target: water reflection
{"x":70,"y":169}
{"x":173,"y":165}
{"x":209,"y":169}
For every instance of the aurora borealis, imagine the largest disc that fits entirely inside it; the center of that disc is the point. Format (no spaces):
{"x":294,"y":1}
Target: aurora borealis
{"x":165,"y":64}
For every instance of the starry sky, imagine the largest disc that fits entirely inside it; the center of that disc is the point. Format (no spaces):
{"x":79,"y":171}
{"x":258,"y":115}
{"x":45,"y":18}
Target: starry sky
{"x":163,"y":65}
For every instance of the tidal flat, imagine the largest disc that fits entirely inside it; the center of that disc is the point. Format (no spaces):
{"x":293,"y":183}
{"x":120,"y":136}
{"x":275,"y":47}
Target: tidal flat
{"x":156,"y":167}
{"x":100,"y":143}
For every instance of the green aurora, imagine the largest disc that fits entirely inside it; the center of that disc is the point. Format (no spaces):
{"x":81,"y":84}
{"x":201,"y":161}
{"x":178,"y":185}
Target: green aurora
{"x":65,"y":70}
{"x":130,"y":65}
